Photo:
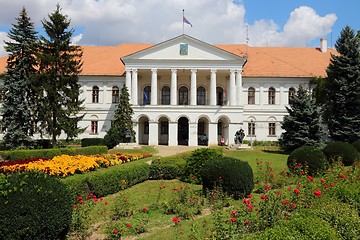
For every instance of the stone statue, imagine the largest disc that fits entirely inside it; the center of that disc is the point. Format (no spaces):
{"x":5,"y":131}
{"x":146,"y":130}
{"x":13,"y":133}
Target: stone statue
{"x":239,"y":136}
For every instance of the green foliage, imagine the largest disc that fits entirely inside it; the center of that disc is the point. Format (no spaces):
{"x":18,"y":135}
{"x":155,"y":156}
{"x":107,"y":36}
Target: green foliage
{"x":50,"y":153}
{"x":57,"y":85}
{"x":342,"y":88}
{"x":167,"y":168}
{"x":196,"y":161}
{"x":341,"y":151}
{"x":121,"y":130}
{"x":91,"y":142}
{"x":308,"y":159}
{"x":234,"y":176}
{"x":107,"y":181}
{"x":34,"y":205}
{"x":356,"y":144}
{"x":302,"y":126}
{"x":18,"y":106}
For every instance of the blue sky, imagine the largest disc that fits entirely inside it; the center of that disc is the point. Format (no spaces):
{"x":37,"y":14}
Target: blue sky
{"x":299,"y":23}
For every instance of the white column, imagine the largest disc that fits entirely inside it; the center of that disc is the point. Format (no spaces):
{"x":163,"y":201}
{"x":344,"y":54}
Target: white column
{"x":213,"y":136}
{"x":232,"y":88}
{"x":128,"y":82}
{"x":153,"y":133}
{"x":173,"y":92}
{"x":173,"y":133}
{"x":261,"y":95}
{"x":193,"y":134}
{"x":193,"y":87}
{"x":153,"y":86}
{"x":282,"y":96}
{"x":239,"y":89}
{"x":134,"y":87}
{"x":105,"y":93}
{"x":213,"y":87}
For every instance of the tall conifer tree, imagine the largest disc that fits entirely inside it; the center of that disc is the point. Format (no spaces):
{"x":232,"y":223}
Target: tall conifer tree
{"x":122,"y":127}
{"x":303,"y":124}
{"x":342,"y":88}
{"x":58,"y":85}
{"x":18,"y":105}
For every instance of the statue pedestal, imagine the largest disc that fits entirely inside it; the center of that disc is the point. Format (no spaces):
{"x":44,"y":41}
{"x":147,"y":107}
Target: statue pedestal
{"x":239,"y":147}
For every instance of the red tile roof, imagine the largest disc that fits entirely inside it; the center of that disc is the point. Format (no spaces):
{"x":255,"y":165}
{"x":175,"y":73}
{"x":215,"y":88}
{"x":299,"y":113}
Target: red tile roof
{"x":261,"y":62}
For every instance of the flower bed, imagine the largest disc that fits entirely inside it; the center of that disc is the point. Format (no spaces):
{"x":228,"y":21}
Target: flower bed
{"x":65,"y":165}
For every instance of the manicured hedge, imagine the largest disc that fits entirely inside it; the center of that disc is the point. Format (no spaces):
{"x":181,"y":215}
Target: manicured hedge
{"x":85,"y":142}
{"x":15,"y":155}
{"x":167,"y":168}
{"x":341,"y":151}
{"x":107,"y":181}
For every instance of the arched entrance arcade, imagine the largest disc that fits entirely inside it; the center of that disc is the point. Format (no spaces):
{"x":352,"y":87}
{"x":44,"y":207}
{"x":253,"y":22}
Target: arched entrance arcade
{"x":183,"y":131}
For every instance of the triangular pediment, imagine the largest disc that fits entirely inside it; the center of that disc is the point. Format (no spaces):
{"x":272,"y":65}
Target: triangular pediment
{"x":183,"y":48}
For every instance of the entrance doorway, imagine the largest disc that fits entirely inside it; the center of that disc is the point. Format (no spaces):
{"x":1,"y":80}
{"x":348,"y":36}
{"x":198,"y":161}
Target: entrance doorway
{"x":183,"y":131}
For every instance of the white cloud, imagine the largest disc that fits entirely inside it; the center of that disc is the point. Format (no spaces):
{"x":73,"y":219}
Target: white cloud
{"x":3,"y":37}
{"x":111,"y":22}
{"x":76,"y":39}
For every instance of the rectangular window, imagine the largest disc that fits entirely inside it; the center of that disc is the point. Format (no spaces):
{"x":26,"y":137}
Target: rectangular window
{"x":94,"y":127}
{"x":272,"y":128}
{"x":164,"y":127}
{"x":251,"y":129}
{"x":146,"y":127}
{"x":201,"y":128}
{"x":220,"y":128}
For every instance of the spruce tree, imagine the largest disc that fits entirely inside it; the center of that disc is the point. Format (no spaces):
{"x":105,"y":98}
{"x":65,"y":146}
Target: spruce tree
{"x":18,"y":105}
{"x":122,"y":127}
{"x":58,"y":82}
{"x":342,"y":88}
{"x":303,"y":124}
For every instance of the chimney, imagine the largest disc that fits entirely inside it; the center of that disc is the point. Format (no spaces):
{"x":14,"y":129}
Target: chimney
{"x":323,"y":45}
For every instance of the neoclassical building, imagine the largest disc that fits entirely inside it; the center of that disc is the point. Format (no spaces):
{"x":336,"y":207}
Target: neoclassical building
{"x":184,"y":88}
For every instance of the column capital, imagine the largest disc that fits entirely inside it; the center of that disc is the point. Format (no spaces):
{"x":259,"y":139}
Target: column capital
{"x":193,"y":70}
{"x":173,"y":70}
{"x":154,"y":70}
{"x":128,"y":69}
{"x":213,"y":70}
{"x":232,"y":70}
{"x":134,"y":70}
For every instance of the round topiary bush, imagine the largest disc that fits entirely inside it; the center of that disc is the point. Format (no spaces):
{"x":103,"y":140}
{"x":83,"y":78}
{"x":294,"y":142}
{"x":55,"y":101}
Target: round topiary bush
{"x":196,"y":161}
{"x":234,"y":176}
{"x":307,"y":159}
{"x":356,"y":144}
{"x":34,"y":205}
{"x":341,"y":151}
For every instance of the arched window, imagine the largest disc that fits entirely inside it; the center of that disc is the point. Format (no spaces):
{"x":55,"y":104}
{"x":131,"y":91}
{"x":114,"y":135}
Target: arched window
{"x":115,"y":94}
{"x":165,"y":95}
{"x":95,"y":94}
{"x":201,"y":95}
{"x":251,"y":95}
{"x":291,"y":93}
{"x":147,"y":95}
{"x":251,"y":128}
{"x":220,"y":96}
{"x":183,"y":96}
{"x":271,"y":96}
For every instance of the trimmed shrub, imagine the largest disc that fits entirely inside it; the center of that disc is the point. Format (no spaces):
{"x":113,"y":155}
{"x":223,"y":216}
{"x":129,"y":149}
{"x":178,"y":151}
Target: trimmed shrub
{"x":42,"y":143}
{"x":15,"y":155}
{"x":85,"y":142}
{"x":34,"y":205}
{"x":234,"y":176}
{"x":107,"y":181}
{"x":356,"y":145}
{"x":196,"y":161}
{"x":308,"y":159}
{"x":167,"y":168}
{"x":341,"y":151}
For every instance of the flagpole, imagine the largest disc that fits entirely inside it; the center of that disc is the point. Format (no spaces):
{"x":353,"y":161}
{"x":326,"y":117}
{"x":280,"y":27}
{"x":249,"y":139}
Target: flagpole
{"x":183,"y":21}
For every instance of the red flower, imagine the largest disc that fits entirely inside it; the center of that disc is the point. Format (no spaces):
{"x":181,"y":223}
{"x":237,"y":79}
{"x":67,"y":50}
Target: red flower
{"x":249,"y":207}
{"x":181,"y":187}
{"x":249,"y":196}
{"x":293,"y":205}
{"x":176,"y":189}
{"x":310,"y":178}
{"x":232,"y":220}
{"x":246,"y":222}
{"x":101,"y":199}
{"x":317,"y":193}
{"x":326,"y":186}
{"x":302,"y":173}
{"x":144,"y":209}
{"x":342,"y":176}
{"x":267,"y":187}
{"x":332,"y":185}
{"x":234,"y":213}
{"x":176,"y":220}
{"x":297,"y":191}
{"x":128,"y":225}
{"x":246,"y":201}
{"x":115,"y":231}
{"x":101,"y":213}
{"x":278,"y":193}
{"x":322,"y":180}
{"x":74,"y":206}
{"x":264,"y":197}
{"x":106,"y":203}
{"x":285,"y":202}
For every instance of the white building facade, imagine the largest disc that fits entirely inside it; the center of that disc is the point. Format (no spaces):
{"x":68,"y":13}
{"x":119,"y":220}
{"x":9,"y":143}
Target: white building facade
{"x":183,"y":89}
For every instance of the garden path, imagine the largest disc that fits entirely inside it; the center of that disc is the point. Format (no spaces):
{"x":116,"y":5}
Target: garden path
{"x":164,"y":151}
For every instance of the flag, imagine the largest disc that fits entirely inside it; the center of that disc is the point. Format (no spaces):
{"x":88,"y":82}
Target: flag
{"x":186,"y":21}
